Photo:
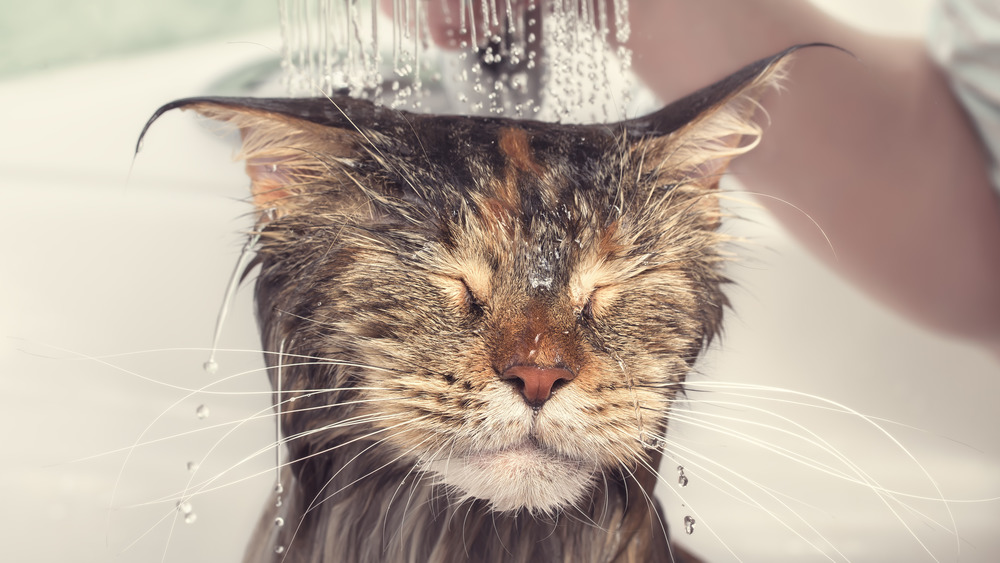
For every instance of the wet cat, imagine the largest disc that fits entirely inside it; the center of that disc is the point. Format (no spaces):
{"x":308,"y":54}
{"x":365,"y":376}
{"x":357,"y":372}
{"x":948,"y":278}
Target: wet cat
{"x":476,"y":326}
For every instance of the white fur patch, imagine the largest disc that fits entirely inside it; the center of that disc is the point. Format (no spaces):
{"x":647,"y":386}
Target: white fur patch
{"x":524,"y":477}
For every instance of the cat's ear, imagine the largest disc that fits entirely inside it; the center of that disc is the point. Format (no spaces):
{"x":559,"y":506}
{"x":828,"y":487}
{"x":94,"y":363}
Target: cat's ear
{"x":692,"y":140}
{"x":291,"y":147}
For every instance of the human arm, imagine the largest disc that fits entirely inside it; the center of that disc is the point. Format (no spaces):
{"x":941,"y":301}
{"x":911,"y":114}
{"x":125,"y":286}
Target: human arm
{"x":876,"y":150}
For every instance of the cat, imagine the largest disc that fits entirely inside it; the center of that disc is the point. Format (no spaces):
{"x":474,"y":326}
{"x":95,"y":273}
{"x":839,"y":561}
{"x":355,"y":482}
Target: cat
{"x":476,"y":327}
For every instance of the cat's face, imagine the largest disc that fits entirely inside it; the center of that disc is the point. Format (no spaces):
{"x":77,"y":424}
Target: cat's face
{"x":528,"y":327}
{"x":507,"y":308}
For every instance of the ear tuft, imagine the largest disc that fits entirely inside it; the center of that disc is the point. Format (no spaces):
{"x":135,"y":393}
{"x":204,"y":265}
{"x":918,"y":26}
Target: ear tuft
{"x":692,"y":140}
{"x":286,"y":157}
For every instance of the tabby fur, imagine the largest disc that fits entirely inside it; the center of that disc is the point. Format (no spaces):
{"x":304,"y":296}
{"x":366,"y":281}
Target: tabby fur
{"x":406,"y":262}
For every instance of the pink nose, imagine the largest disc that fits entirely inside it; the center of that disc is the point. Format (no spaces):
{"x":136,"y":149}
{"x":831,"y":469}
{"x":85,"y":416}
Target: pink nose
{"x":536,"y":383}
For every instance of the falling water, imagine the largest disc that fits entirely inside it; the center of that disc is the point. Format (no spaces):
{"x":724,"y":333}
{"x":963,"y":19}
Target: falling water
{"x":211,"y":366}
{"x":555,"y":60}
{"x":187,"y":512}
{"x":278,"y":488}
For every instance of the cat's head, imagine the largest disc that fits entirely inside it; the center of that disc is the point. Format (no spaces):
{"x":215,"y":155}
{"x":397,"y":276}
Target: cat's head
{"x":508,"y":306}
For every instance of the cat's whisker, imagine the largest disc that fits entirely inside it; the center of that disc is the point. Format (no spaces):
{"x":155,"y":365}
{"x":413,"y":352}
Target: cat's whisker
{"x":870,"y":421}
{"x":863,"y":480}
{"x":385,"y":518}
{"x":370,"y":146}
{"x":421,"y":477}
{"x":647,"y":498}
{"x":443,"y":249}
{"x":191,"y":492}
{"x":418,"y":477}
{"x":276,"y":446}
{"x":316,"y":502}
{"x":687,"y":503}
{"x":675,"y":448}
{"x":263,"y":414}
{"x":799,"y":458}
{"x":102,"y":359}
{"x":190,"y":393}
{"x":496,"y":533}
{"x":780,"y":450}
{"x":888,"y":497}
{"x":803,"y":212}
{"x":170,"y":514}
{"x":204,"y":486}
{"x":465,"y":522}
{"x":819,"y":407}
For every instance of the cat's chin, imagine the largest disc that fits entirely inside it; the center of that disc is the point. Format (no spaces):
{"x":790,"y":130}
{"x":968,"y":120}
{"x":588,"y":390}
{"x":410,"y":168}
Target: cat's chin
{"x":524,"y":477}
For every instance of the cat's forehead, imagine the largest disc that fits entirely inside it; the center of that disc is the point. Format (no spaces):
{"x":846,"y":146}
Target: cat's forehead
{"x":506,"y":170}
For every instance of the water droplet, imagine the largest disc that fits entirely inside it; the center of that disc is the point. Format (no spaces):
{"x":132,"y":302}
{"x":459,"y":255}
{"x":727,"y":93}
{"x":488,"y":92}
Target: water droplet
{"x":280,"y":549}
{"x":682,"y":479}
{"x":688,"y":525}
{"x":190,"y":518}
{"x":184,"y":507}
{"x":202,"y":412}
{"x":192,"y":466}
{"x":279,"y":521}
{"x":278,"y":489}
{"x":211,"y":366}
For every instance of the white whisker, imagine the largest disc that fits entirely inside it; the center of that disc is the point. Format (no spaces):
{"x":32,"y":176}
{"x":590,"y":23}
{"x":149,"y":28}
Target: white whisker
{"x":872,"y":423}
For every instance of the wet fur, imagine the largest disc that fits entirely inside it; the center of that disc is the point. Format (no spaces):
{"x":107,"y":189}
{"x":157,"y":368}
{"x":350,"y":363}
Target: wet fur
{"x":407,"y":261}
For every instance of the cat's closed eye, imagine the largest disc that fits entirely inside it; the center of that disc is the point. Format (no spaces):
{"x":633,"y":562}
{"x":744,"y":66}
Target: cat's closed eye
{"x":508,"y":315}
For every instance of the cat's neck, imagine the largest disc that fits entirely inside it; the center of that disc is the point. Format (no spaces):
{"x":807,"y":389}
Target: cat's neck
{"x":367,"y":513}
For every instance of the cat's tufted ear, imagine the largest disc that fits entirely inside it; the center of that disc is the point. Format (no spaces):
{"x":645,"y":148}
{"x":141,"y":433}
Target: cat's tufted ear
{"x":293,"y":148}
{"x":692,"y":140}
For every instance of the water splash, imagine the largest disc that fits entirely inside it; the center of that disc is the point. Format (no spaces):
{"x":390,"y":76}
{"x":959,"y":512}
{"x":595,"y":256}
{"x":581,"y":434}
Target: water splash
{"x":211,"y":365}
{"x":557,"y":61}
{"x":187,"y":512}
{"x":278,"y":488}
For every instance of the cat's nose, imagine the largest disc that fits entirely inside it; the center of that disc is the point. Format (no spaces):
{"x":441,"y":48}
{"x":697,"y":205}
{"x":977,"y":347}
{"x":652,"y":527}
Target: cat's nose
{"x":536,"y":382}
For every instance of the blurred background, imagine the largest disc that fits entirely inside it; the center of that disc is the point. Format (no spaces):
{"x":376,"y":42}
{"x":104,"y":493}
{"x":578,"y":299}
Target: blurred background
{"x":114,"y":269}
